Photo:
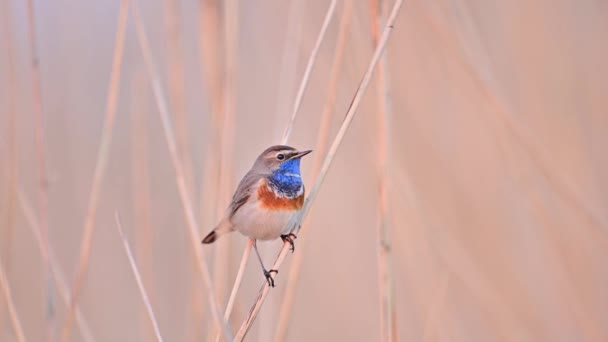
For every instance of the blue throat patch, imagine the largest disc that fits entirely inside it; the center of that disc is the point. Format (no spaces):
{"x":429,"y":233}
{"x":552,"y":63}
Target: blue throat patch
{"x":286,"y":180}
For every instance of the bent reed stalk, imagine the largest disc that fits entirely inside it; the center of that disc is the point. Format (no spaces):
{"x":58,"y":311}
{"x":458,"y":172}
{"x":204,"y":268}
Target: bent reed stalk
{"x":253,"y":312}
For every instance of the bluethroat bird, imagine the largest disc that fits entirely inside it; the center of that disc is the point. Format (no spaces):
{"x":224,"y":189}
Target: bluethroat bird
{"x":267,"y":202}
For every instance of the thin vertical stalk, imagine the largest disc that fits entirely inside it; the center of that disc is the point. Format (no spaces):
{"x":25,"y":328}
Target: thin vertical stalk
{"x":211,"y":50}
{"x":238,"y":279}
{"x":237,"y":284}
{"x":58,"y":276}
{"x":6,"y":290}
{"x":11,"y":128}
{"x":311,"y":62}
{"x":487,"y":85}
{"x":253,"y":312}
{"x":177,"y":86}
{"x":387,"y":315}
{"x":140,"y":284}
{"x":289,"y":59}
{"x":100,"y":167}
{"x":193,"y":228}
{"x":141,"y":188}
{"x":40,"y":152}
{"x":226,"y":147}
{"x":485,"y":82}
{"x":303,"y":84}
{"x":218,"y":43}
{"x":320,"y":147}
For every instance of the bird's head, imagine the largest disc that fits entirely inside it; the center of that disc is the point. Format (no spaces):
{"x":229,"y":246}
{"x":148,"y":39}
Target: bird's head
{"x":281,"y":159}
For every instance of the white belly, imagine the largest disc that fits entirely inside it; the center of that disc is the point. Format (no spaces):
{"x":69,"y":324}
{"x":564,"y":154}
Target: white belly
{"x":262,"y":224}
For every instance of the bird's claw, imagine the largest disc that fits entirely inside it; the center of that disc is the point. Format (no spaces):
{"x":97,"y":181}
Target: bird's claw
{"x":289,"y":238}
{"x":269,"y":278}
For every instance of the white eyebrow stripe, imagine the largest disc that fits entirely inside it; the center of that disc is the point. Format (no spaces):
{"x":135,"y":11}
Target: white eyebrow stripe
{"x":292,"y":175}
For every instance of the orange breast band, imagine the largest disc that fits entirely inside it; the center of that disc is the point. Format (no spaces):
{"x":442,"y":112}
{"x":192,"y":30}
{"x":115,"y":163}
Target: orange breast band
{"x":270,"y":200}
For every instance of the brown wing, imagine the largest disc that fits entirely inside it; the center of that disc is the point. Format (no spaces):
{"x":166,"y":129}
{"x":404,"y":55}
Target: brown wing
{"x":243,"y":191}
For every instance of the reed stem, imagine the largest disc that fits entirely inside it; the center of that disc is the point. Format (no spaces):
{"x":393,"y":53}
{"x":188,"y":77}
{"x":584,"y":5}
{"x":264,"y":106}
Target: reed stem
{"x":100,"y":168}
{"x":193,"y":229}
{"x":306,"y":77}
{"x":253,"y":312}
{"x":320,"y":147}
{"x":140,"y":283}
{"x":7,"y":232}
{"x":388,"y":326}
{"x":59,"y":277}
{"x":12,"y":311}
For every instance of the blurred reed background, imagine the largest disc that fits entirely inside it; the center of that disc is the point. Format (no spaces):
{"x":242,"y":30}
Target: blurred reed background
{"x":467,"y":202}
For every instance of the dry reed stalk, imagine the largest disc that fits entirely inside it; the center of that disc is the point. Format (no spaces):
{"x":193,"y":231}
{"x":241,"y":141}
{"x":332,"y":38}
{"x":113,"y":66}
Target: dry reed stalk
{"x":526,"y":139}
{"x":141,"y":189}
{"x":11,"y":127}
{"x":485,"y":81}
{"x":222,"y":257}
{"x":489,"y":87}
{"x":237,"y":281}
{"x":40,"y":152}
{"x":253,"y":312}
{"x":388,"y":327}
{"x":58,"y":275}
{"x":226,"y":147}
{"x":212,"y":78}
{"x":311,"y":62}
{"x":304,"y":82}
{"x":320,"y":146}
{"x":140,"y":284}
{"x":221,"y":252}
{"x":231,"y":28}
{"x":100,"y":167}
{"x":291,"y":51}
{"x":177,"y":86}
{"x":210,"y":49}
{"x":6,"y":289}
{"x":237,"y":284}
{"x":193,"y":229}
{"x":473,"y":279}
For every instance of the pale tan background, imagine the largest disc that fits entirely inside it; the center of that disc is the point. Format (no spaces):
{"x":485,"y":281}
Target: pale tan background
{"x":499,"y":122}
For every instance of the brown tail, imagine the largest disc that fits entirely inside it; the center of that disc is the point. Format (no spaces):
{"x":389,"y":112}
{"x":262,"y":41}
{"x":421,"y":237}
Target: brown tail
{"x":224,"y":227}
{"x":211,"y":237}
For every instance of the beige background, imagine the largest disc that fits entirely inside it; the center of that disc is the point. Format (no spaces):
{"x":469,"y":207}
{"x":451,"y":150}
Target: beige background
{"x":498,"y":133}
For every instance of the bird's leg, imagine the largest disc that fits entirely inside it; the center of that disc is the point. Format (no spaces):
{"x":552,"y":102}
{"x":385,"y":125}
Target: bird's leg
{"x":289,"y":238}
{"x":267,"y":273}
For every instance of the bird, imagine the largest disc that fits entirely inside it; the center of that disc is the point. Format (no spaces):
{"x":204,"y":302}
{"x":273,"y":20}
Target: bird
{"x":267,"y":202}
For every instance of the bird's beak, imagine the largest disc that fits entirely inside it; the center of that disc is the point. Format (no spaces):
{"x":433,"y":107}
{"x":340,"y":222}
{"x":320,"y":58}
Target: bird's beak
{"x":300,"y":154}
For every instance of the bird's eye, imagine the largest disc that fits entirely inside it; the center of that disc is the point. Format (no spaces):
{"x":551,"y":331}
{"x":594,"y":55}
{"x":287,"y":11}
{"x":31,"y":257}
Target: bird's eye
{"x":280,"y":156}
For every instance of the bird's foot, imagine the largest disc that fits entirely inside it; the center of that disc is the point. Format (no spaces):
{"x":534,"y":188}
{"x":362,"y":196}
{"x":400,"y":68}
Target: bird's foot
{"x":269,"y":278}
{"x":289,"y":238}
